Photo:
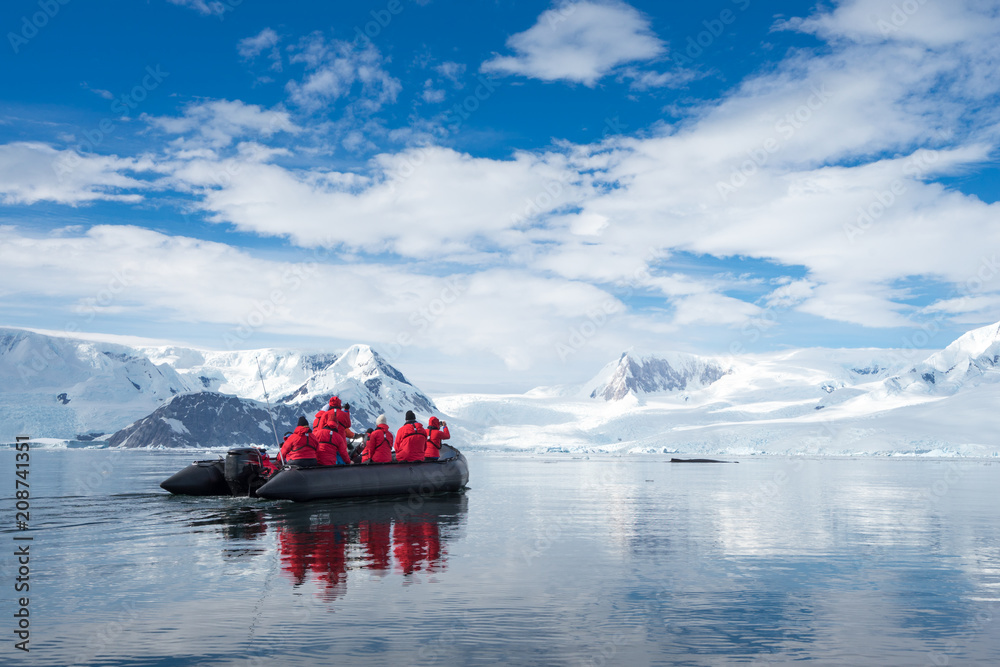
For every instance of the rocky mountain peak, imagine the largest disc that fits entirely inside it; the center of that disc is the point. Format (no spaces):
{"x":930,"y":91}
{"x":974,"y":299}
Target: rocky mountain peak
{"x":636,"y":374}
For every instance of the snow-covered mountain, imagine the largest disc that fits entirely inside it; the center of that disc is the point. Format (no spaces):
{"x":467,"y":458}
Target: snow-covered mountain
{"x":239,"y":372}
{"x":362,"y":378}
{"x":64,"y":387}
{"x":206,"y":419}
{"x":636,"y":375}
{"x":971,"y":360}
{"x":68,"y":388}
{"x":813,"y":401}
{"x":806,"y":401}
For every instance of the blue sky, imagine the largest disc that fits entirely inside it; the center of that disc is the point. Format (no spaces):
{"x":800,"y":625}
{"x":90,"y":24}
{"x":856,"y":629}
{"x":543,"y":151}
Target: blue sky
{"x":508,"y":193}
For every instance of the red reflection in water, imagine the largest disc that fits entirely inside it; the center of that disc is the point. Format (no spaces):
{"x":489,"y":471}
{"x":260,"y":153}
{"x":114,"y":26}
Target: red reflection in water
{"x":417,"y":545}
{"x":374,"y":537}
{"x":371,"y":539}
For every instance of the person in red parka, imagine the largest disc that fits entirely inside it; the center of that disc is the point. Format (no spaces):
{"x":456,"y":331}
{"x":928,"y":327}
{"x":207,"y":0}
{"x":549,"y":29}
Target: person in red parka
{"x":379,"y":446}
{"x":337,"y":418}
{"x":318,"y":419}
{"x":411,"y":440}
{"x":332,"y":448}
{"x":436,"y":432}
{"x":300,"y":448}
{"x":321,"y":413}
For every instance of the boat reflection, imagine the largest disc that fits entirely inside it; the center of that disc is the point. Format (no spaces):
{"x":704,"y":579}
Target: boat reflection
{"x":322,"y":543}
{"x":241,"y":527}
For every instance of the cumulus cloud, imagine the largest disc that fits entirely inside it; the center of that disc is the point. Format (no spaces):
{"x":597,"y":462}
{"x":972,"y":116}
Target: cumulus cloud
{"x":825,"y":164}
{"x":410,"y":203}
{"x":935,"y":24}
{"x":264,"y":41}
{"x":337,"y":69}
{"x":217,"y":123}
{"x":579,"y":42}
{"x":828,"y":166}
{"x":31,"y":172}
{"x":506,"y":313}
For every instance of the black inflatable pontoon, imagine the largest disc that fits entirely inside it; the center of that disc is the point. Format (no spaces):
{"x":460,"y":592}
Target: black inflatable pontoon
{"x":242,"y":472}
{"x":450,"y":473}
{"x":247,"y":472}
{"x":201,"y":478}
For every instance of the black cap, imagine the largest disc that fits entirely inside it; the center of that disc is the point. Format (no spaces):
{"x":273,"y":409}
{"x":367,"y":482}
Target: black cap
{"x":410,"y":417}
{"x":303,"y":421}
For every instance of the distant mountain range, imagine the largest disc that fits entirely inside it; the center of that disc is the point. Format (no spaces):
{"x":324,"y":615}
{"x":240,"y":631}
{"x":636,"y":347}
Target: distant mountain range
{"x":793,"y":401}
{"x":800,"y":401}
{"x":71,"y":389}
{"x":637,"y":375}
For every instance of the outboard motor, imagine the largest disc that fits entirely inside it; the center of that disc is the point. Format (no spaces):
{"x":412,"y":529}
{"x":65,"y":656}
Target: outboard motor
{"x":247,"y":468}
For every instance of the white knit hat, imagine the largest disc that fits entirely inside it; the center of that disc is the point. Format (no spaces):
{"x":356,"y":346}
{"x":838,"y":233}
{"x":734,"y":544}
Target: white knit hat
{"x":380,"y":420}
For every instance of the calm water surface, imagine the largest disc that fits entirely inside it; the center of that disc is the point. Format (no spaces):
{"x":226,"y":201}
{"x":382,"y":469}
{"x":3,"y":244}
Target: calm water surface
{"x":544,"y":560}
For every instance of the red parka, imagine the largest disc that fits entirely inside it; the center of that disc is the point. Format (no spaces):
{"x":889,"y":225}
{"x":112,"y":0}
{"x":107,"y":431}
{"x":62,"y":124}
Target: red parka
{"x":301,"y":444}
{"x":435,"y":434}
{"x":379,"y":446}
{"x":338,"y":420}
{"x":331,"y":443}
{"x":411,"y":440}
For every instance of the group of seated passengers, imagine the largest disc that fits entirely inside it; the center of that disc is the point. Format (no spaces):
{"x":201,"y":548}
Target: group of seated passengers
{"x":325,"y":443}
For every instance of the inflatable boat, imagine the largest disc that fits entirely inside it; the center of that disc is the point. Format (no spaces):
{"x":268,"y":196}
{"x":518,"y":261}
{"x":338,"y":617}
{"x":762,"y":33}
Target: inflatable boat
{"x":249,"y":472}
{"x":449,"y":473}
{"x":241,"y":473}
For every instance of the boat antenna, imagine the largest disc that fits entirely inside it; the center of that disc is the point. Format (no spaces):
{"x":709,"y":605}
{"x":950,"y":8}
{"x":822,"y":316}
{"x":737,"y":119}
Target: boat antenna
{"x":268,"y":401}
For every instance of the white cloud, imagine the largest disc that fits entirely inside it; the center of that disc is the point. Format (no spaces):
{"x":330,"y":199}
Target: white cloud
{"x":932,"y":23}
{"x":31,"y":172}
{"x":713,"y":309}
{"x":452,"y":71}
{"x":790,"y":294}
{"x":645,"y":80}
{"x":338,"y":69}
{"x":579,"y":42}
{"x":421,"y":200}
{"x":591,"y":213}
{"x":863,"y":305}
{"x":432,"y":95}
{"x":216,"y":123}
{"x":266,"y":40}
{"x":204,"y":7}
{"x":828,"y":164}
{"x":130,"y":271}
